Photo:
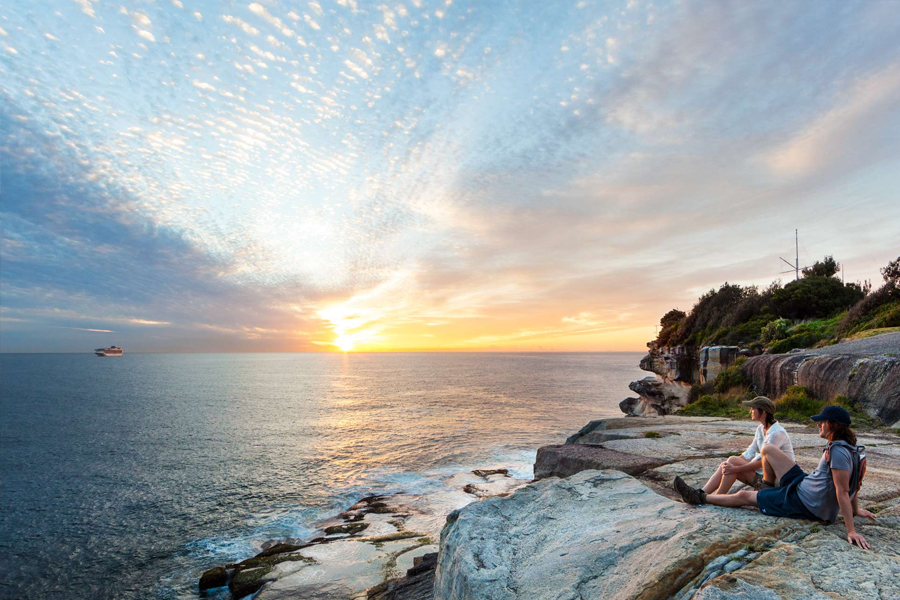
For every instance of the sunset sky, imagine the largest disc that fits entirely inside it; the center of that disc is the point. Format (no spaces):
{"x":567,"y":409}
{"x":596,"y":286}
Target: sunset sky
{"x":497,"y":175}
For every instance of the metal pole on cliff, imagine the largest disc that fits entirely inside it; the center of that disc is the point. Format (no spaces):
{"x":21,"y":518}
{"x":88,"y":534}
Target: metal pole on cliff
{"x":796,"y":266}
{"x":796,"y":254}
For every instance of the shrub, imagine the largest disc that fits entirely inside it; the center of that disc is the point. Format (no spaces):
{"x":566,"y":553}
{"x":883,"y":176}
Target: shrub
{"x":731,"y":377}
{"x":824,"y":268}
{"x":669,"y":325}
{"x":815,"y":297}
{"x":870,"y":312}
{"x":652,"y":434}
{"x":891,"y":272}
{"x":797,"y":404}
{"x":775,"y":330}
{"x":716,"y":405}
{"x":708,"y":315}
{"x":720,"y":405}
{"x":799,"y":340}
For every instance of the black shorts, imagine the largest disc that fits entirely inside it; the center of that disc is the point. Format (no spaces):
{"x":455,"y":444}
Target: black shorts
{"x":784,"y":501}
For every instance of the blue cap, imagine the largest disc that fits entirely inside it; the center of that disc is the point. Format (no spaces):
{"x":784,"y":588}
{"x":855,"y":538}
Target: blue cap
{"x":833,"y":413}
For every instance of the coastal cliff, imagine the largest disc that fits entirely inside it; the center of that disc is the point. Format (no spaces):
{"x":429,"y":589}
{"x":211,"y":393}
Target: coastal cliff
{"x":605,"y":524}
{"x":872,"y":381}
{"x":675,"y":370}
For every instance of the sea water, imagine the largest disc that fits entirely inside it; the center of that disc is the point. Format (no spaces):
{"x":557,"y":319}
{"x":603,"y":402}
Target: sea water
{"x":127,"y":477}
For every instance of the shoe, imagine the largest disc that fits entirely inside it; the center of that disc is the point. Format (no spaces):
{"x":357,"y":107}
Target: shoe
{"x":689,"y":494}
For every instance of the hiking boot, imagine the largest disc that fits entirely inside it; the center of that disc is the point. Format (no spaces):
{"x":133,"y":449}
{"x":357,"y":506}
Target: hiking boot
{"x":688,"y":494}
{"x":760,"y":483}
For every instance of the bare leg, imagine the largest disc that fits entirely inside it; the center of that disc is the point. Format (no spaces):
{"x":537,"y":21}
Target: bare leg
{"x":768,"y":472}
{"x":714,"y":481}
{"x":728,"y":480}
{"x":778,"y":461}
{"x":741,"y":498}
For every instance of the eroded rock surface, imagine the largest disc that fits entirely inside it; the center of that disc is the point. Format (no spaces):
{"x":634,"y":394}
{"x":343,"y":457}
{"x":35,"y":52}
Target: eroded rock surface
{"x":604,"y":534}
{"x":871,"y":380}
{"x":597,"y":534}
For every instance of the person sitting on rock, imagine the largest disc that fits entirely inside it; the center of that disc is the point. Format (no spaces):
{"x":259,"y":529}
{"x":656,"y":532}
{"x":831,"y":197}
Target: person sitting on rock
{"x":751,"y":467}
{"x":820,"y":495}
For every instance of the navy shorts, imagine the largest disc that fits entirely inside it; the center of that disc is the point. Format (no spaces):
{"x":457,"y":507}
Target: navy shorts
{"x":784,"y":501}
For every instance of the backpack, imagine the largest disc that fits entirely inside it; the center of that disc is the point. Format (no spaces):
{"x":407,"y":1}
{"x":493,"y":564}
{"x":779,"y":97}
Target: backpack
{"x":858,"y":454}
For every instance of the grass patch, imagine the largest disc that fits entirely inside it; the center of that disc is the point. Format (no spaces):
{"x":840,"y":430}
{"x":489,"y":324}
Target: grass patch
{"x":799,"y":405}
{"x":807,"y":334}
{"x":652,"y":434}
{"x":727,"y":405}
{"x":873,"y":332}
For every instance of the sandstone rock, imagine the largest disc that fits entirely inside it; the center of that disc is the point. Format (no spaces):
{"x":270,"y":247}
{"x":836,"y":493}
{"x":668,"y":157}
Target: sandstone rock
{"x":601,"y":430}
{"x":248,"y":581}
{"x":676,"y":363}
{"x":637,"y":407}
{"x":873,"y":381}
{"x":348,"y":528}
{"x":569,"y":459}
{"x":213,"y":578}
{"x":489,"y":472}
{"x":822,"y":566}
{"x":598,"y":534}
{"x":715,"y":359}
{"x":665,"y":396}
{"x":417,"y":585}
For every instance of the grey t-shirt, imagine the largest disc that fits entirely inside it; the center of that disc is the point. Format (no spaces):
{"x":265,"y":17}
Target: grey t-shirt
{"x":817,"y":490}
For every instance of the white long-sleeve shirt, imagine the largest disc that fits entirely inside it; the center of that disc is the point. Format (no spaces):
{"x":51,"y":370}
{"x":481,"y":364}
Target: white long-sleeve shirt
{"x":776,"y":435}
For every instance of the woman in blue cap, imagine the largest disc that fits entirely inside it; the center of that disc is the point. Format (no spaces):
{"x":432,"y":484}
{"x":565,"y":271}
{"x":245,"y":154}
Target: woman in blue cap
{"x":819,"y":495}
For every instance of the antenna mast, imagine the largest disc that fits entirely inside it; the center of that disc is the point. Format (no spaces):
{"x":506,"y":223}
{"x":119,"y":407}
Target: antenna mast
{"x":796,"y":266}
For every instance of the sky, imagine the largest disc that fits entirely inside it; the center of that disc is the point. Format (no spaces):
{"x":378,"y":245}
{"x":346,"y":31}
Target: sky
{"x":187,"y":176}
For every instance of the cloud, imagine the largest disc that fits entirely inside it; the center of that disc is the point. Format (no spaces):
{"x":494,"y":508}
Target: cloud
{"x":846,"y":136}
{"x":86,"y":7}
{"x":212,"y":192}
{"x":145,"y":34}
{"x":204,"y":86}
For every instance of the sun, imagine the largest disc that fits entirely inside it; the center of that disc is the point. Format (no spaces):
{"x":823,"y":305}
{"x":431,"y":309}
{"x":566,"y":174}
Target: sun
{"x":344,"y":343}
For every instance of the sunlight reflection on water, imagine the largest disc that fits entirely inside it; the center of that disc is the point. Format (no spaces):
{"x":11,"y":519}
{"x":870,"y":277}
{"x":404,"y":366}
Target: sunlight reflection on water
{"x":177,"y":462}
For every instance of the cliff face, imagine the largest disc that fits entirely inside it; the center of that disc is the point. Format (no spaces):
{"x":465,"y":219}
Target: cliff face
{"x":676,"y":369}
{"x":675,"y":363}
{"x":872,"y":381}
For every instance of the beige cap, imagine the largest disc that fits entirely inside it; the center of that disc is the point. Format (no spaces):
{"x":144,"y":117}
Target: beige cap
{"x":761,"y":402}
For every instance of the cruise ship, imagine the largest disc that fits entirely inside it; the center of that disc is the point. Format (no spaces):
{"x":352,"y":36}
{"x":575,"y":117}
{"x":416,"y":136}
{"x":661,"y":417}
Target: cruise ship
{"x":111,"y":351}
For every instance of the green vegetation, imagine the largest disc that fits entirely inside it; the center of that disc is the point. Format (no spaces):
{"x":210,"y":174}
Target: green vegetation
{"x":796,"y":405}
{"x":652,"y":434}
{"x":813,"y":311}
{"x":732,"y":377}
{"x":718,"y":405}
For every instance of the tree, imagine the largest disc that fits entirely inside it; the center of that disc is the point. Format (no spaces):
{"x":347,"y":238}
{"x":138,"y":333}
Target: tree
{"x":673,"y":317}
{"x":891,"y":272}
{"x":669,"y":325}
{"x":824,"y":268}
{"x":816,"y":297}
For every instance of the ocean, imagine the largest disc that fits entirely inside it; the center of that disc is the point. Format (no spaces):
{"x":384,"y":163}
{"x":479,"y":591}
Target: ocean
{"x":127,"y":477}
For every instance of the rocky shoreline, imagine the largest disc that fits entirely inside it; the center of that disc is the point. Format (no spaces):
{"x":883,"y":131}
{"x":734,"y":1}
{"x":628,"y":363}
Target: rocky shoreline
{"x":600,"y":519}
{"x":373,"y":542}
